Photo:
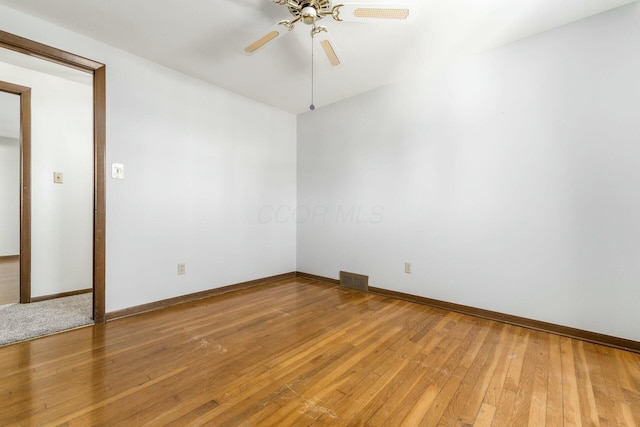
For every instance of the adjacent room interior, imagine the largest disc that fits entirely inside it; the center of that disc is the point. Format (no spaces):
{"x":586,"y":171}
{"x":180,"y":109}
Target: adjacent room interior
{"x":46,"y":236}
{"x":478,"y":165}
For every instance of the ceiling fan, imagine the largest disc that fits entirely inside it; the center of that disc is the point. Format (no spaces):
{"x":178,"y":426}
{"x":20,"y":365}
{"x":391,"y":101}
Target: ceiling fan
{"x":311,"y":11}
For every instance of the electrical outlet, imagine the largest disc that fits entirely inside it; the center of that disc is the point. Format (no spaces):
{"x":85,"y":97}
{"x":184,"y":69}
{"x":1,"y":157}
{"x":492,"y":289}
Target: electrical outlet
{"x":182,"y":269}
{"x":407,"y":267}
{"x":58,"y":177}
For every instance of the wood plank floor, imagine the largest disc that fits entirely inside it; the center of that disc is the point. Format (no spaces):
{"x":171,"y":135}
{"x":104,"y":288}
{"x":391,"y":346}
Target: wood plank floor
{"x":9,"y":280}
{"x":300,"y":352}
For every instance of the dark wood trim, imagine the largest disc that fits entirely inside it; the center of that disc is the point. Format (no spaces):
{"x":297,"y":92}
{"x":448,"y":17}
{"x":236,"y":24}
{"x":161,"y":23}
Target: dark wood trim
{"x":318,"y":278}
{"x":25,"y":186}
{"x":13,"y":88}
{"x":25,"y":197}
{"x":9,"y":258}
{"x":61,"y":295}
{"x":593,"y":337}
{"x":42,"y":51}
{"x":565,"y":331}
{"x":100,"y":204}
{"x":38,"y":50}
{"x":157,"y":305}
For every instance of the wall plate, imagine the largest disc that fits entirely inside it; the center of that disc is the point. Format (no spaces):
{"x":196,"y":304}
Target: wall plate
{"x":117,"y":171}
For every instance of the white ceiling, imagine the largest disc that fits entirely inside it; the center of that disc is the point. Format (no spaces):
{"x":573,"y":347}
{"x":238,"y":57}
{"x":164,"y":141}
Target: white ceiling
{"x":205,"y":38}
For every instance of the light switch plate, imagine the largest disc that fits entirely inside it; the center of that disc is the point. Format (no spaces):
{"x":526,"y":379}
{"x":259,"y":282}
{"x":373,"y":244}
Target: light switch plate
{"x":117,"y":171}
{"x":58,"y":178}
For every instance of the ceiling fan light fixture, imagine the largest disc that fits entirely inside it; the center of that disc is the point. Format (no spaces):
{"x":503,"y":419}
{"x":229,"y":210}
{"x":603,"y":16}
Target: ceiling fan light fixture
{"x":309,"y":15}
{"x":310,"y":12}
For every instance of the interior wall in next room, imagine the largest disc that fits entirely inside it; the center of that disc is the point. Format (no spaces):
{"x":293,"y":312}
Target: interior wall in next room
{"x":9,"y":174}
{"x":61,"y":141}
{"x":9,"y":196}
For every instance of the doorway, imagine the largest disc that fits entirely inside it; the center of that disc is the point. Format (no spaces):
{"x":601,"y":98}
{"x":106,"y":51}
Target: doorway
{"x":98,"y":73}
{"x":15,"y":190}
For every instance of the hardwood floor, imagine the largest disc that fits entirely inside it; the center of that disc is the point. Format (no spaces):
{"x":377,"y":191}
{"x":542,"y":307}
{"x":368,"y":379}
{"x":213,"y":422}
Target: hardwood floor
{"x":299,"y":352}
{"x":9,"y":280}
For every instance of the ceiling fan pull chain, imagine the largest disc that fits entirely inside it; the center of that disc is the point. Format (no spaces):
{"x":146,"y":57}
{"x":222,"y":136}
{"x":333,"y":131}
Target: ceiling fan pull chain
{"x":312,"y":107}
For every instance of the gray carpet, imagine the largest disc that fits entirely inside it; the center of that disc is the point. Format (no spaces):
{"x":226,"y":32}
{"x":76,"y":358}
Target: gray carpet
{"x":20,"y":322}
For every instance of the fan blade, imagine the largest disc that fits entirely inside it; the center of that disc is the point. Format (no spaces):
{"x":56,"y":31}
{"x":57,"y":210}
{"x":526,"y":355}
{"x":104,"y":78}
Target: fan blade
{"x":368,"y":12}
{"x":266,"y":37}
{"x":328,"y":47}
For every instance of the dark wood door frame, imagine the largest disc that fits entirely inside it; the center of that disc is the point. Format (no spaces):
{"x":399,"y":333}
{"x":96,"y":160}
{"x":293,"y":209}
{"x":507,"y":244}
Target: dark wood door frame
{"x":25,"y":185}
{"x":98,"y":70}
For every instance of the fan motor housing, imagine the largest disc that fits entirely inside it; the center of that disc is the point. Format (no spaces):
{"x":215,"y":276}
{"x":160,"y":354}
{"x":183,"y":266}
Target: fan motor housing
{"x":321,"y":6}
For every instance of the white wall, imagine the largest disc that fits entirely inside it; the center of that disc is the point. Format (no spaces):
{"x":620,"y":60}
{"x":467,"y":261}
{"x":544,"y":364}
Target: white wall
{"x":9,"y":174}
{"x":200,"y":163}
{"x":61,"y":214}
{"x":510,"y":181}
{"x":10,"y":193}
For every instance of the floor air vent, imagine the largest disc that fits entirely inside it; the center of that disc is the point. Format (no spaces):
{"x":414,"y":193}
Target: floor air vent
{"x":354,"y":281}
